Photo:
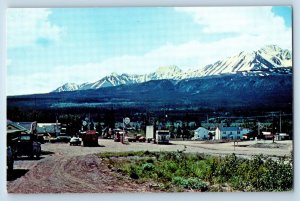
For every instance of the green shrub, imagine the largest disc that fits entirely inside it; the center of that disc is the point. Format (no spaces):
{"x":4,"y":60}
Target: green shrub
{"x":190,"y":183}
{"x":190,"y":170}
{"x":148,"y":167}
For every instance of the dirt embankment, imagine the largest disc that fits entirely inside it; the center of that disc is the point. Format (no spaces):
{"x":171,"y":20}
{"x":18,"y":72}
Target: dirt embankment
{"x":79,"y":174}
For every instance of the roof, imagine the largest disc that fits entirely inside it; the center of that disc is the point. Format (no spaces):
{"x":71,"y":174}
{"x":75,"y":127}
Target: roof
{"x":26,"y":125}
{"x":229,"y":128}
{"x":16,"y":126}
{"x":200,"y":128}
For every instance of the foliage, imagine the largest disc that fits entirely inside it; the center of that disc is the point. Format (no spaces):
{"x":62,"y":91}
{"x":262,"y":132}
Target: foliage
{"x":190,"y":183}
{"x":199,"y":171}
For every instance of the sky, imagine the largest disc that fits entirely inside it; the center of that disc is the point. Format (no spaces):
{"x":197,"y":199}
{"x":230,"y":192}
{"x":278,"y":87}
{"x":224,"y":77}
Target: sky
{"x":47,"y":48}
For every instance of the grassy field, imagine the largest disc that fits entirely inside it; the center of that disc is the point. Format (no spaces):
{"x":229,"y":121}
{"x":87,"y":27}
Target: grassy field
{"x":179,"y":171}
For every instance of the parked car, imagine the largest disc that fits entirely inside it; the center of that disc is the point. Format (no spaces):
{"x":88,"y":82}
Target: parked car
{"x":130,"y":139}
{"x":63,"y":138}
{"x":140,"y":138}
{"x":136,"y":138}
{"x":28,"y":146}
{"x":75,"y":141}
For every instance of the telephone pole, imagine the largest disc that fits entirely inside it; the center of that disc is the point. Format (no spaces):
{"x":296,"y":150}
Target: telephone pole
{"x":280,"y":121}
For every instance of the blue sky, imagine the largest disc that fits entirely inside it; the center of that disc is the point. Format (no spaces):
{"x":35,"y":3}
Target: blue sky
{"x":49,"y":47}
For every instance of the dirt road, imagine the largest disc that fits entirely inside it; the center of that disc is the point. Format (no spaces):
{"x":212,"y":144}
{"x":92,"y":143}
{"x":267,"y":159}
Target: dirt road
{"x":70,"y":169}
{"x":78,"y":174}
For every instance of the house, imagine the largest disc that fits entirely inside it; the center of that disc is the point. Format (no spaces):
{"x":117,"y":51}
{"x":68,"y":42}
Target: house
{"x":201,"y":134}
{"x":27,"y":127}
{"x":54,"y":129}
{"x":282,"y":136}
{"x":230,"y":133}
{"x":13,"y":127}
{"x":210,"y":126}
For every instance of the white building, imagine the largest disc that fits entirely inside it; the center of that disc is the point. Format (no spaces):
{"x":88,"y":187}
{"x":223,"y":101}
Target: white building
{"x":201,"y":134}
{"x":230,"y":133}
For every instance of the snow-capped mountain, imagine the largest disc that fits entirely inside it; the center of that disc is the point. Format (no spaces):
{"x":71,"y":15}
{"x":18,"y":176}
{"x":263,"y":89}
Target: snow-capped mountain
{"x":268,"y":60}
{"x":68,"y":87}
{"x":264,"y":61}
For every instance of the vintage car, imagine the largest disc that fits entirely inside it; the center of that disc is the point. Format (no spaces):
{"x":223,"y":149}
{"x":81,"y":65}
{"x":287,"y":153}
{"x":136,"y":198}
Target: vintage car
{"x":75,"y":141}
{"x":27,"y":146}
{"x":60,"y":138}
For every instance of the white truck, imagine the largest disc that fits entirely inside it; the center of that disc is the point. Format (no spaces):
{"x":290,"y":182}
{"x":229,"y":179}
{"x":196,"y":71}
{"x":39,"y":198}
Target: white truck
{"x":149,"y":133}
{"x":162,"y":136}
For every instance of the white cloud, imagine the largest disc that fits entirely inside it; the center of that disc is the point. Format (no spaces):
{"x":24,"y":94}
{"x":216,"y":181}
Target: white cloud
{"x":26,"y":25}
{"x":192,"y":54}
{"x":251,"y":21}
{"x":254,"y":27}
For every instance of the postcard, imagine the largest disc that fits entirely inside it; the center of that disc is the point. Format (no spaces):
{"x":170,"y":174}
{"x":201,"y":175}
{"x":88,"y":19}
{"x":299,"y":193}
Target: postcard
{"x":149,"y":99}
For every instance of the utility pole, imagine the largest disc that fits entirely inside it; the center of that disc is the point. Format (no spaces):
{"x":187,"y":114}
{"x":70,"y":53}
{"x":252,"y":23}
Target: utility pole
{"x":280,"y":121}
{"x":258,"y":129}
{"x":273,"y":136}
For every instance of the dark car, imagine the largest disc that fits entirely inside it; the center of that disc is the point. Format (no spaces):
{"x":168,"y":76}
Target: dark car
{"x":28,"y":146}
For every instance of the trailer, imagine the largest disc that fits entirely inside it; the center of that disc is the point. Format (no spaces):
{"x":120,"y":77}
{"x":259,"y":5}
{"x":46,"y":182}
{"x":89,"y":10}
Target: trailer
{"x":149,"y":133}
{"x":89,"y":138}
{"x":162,"y":136}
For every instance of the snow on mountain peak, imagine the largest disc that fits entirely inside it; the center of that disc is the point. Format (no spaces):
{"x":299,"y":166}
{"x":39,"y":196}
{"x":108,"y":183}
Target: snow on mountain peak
{"x":168,"y":69}
{"x":167,"y":72}
{"x":67,"y":87}
{"x":267,"y":59}
{"x":114,"y":74}
{"x":270,"y":48}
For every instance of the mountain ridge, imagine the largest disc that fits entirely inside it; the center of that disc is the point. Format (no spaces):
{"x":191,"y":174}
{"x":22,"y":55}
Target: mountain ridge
{"x":268,"y":60}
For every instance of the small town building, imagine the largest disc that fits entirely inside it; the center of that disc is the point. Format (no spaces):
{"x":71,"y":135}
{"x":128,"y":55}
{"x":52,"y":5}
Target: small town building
{"x":201,"y":134}
{"x":282,"y":136}
{"x":54,"y":129}
{"x":230,"y":133}
{"x":27,"y":127}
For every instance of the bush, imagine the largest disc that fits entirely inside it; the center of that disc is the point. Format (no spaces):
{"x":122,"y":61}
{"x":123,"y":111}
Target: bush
{"x":148,"y":167}
{"x":190,"y":170}
{"x":190,"y":183}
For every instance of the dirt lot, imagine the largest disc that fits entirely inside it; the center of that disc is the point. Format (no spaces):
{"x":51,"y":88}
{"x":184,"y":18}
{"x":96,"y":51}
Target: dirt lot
{"x":70,"y":169}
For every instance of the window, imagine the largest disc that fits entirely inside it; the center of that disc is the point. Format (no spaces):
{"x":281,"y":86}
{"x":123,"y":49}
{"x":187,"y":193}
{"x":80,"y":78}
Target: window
{"x":26,"y":137}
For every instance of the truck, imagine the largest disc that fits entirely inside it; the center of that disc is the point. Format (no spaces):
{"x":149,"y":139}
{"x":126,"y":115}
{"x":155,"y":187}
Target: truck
{"x":89,"y":138}
{"x":162,"y":136}
{"x":27,"y":145}
{"x":149,"y":133}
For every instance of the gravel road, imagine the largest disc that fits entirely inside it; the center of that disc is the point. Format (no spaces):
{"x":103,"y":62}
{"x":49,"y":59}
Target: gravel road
{"x":75,"y":169}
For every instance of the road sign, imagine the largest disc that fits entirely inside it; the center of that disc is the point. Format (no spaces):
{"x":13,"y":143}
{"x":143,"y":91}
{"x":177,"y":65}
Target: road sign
{"x":126,"y":120}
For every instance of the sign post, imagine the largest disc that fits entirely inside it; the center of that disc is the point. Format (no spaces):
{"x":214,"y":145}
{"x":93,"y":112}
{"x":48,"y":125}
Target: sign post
{"x":126,"y":121}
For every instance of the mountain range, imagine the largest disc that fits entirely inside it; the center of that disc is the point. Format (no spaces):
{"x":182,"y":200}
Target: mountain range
{"x":259,"y":80}
{"x":268,"y":60}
